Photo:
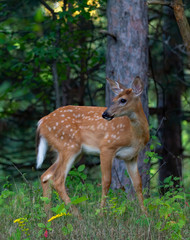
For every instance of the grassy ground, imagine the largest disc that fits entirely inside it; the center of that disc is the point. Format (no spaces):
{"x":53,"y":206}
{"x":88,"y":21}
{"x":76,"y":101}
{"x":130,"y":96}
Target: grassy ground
{"x":168,"y":217}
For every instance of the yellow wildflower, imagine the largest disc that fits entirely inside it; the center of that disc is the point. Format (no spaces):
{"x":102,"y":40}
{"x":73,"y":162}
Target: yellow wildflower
{"x":22,"y":223}
{"x":20,"y":220}
{"x":59,"y":215}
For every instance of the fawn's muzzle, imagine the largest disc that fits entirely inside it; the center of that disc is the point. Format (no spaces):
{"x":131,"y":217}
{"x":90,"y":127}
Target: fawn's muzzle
{"x":107,"y":116}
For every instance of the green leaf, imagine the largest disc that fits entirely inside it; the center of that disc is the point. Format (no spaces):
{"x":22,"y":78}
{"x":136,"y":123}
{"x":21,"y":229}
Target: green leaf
{"x":61,"y":208}
{"x":39,"y":15}
{"x":154,"y":137}
{"x":81,"y":168}
{"x":178,"y":197}
{"x":40,"y":232}
{"x":146,"y":160}
{"x":48,"y":224}
{"x":41,"y":225}
{"x":69,"y":228}
{"x":6,"y":193}
{"x":151,"y":146}
{"x":79,"y":200}
{"x":73,"y":173}
{"x":45,"y":199}
{"x":168,"y":179}
{"x":83,"y":176}
{"x":64,"y":230}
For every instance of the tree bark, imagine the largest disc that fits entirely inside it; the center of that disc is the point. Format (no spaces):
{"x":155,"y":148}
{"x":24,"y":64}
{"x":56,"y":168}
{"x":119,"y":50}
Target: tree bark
{"x":170,"y":132}
{"x":56,"y":84}
{"x":127,"y":57}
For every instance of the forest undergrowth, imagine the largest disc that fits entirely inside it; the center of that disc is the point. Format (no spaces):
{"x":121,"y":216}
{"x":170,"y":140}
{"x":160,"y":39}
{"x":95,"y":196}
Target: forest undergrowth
{"x":22,"y":215}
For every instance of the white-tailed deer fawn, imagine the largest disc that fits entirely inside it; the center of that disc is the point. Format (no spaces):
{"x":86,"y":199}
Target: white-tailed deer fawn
{"x":72,"y":130}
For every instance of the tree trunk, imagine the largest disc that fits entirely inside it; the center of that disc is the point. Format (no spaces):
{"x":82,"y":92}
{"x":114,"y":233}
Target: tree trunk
{"x":56,"y":84}
{"x":127,"y":57}
{"x":170,"y":132}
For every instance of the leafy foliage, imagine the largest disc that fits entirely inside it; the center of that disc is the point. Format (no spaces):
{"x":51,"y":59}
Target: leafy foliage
{"x":170,"y":209}
{"x":23,"y":213}
{"x":33,"y":39}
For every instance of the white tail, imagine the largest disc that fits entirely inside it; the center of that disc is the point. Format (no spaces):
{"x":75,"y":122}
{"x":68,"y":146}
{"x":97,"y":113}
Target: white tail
{"x":72,"y":130}
{"x":42,"y":149}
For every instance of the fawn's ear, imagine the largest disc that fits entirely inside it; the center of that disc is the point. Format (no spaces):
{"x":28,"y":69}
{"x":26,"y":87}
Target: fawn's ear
{"x":116,"y":87}
{"x":137,"y":86}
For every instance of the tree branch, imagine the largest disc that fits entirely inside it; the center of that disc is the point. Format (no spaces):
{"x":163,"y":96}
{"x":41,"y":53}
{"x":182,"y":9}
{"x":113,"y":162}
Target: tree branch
{"x":183,"y":25}
{"x":49,"y":8}
{"x":109,"y":34}
{"x":169,"y":4}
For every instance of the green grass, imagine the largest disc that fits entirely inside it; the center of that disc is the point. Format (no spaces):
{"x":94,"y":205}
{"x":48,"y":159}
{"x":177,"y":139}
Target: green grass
{"x":168,"y":217}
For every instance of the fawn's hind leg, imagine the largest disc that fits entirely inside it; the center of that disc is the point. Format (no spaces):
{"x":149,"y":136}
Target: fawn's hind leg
{"x":66,"y":160}
{"x":46,"y":182}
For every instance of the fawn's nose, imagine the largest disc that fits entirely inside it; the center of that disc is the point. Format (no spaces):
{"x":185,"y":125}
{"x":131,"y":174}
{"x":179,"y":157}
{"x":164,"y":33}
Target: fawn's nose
{"x":107,"y":116}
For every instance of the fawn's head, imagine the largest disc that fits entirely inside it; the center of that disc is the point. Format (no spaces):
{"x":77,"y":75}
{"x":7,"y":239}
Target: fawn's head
{"x":126,"y":99}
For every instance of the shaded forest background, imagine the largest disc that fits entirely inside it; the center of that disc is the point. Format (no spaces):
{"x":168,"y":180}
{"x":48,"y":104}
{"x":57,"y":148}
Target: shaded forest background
{"x":53,"y":53}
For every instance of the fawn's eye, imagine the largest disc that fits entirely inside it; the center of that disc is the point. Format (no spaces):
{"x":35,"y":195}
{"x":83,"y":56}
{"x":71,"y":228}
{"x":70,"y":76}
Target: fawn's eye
{"x":122,"y":100}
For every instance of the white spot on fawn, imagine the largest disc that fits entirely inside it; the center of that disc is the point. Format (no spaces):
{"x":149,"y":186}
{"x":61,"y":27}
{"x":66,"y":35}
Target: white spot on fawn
{"x":106,"y":135}
{"x":68,"y":110}
{"x":113,"y":136}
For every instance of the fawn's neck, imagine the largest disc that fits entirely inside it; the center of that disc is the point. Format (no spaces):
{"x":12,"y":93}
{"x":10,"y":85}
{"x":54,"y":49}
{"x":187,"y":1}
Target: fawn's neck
{"x":139,"y":123}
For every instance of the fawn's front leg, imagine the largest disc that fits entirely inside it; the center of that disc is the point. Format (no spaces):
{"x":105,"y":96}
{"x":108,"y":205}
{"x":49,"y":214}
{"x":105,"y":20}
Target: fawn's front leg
{"x":106,"y":158}
{"x":133,"y":171}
